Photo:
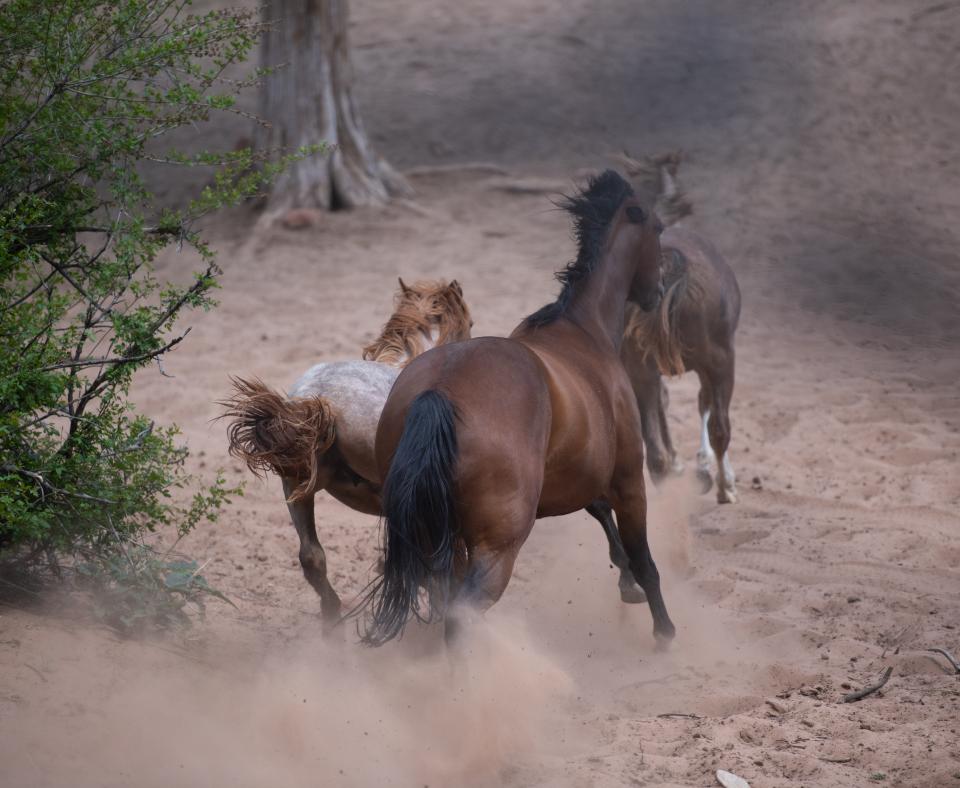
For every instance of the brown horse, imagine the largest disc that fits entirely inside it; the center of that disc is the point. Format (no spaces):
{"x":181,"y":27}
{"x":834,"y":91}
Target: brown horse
{"x":479,"y":439}
{"x":692,"y":330}
{"x":321,"y":437}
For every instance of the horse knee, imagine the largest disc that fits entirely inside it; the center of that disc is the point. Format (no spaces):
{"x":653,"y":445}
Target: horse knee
{"x":313,"y":561}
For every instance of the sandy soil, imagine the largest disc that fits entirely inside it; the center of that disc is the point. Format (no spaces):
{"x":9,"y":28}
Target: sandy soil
{"x":822,"y":159}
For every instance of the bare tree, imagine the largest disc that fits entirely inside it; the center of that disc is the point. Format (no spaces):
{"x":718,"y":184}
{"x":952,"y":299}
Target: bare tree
{"x":309,"y":99}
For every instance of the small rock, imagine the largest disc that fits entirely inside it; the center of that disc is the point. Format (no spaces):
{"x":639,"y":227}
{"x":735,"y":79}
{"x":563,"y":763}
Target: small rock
{"x":730,"y":780}
{"x":777,"y":707}
{"x":301,"y":218}
{"x":852,"y":600}
{"x":756,"y":484}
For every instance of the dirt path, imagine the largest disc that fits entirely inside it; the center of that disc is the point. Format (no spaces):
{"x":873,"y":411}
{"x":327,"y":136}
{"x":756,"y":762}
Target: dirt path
{"x":823,"y":163}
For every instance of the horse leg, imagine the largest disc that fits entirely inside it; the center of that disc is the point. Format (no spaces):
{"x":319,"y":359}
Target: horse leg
{"x":722,"y":388}
{"x":630,"y":505}
{"x":630,"y":592}
{"x":312,"y":558}
{"x":629,"y":500}
{"x":645,"y":379}
{"x":706,"y":459}
{"x":486,"y":576}
{"x":676,"y":464}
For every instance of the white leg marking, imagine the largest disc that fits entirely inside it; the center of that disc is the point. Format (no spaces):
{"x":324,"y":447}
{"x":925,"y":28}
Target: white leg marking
{"x":726,"y":482}
{"x":705,"y":457}
{"x":728,"y":475}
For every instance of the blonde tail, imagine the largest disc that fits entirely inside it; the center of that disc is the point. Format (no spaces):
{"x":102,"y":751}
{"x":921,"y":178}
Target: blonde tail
{"x":272,"y":433}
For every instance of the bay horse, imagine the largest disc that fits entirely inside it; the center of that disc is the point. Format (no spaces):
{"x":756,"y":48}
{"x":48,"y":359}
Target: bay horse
{"x":479,"y":439}
{"x":692,"y":330}
{"x":321,"y":436}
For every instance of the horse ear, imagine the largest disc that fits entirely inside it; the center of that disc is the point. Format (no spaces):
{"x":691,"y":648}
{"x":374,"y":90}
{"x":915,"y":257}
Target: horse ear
{"x":403,"y":288}
{"x":455,"y":286}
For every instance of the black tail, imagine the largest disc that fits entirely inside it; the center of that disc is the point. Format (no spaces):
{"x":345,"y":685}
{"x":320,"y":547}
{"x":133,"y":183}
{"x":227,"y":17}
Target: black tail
{"x":422,"y":533}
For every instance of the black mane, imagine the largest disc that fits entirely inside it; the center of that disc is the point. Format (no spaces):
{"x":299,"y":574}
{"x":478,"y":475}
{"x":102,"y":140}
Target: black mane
{"x":592,"y":209}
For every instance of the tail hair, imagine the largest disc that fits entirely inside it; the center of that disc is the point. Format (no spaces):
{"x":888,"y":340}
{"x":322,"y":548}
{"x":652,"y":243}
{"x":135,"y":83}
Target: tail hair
{"x":656,"y":333}
{"x":270,"y":432}
{"x":422,"y":542}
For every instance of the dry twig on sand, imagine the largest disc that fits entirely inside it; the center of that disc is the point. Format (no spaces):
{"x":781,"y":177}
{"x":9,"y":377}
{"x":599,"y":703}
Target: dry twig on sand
{"x":680,"y":714}
{"x":950,"y":658}
{"x":860,"y":694}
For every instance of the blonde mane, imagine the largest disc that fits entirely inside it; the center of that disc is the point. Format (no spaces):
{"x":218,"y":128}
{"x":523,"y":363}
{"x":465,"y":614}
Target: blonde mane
{"x":426,"y":314}
{"x":655,"y":333}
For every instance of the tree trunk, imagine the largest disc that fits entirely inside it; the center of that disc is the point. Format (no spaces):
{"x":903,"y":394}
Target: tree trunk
{"x":309,"y":99}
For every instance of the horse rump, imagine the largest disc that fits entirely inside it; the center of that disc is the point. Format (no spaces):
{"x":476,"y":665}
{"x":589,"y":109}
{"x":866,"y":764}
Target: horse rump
{"x":270,"y":432}
{"x":422,"y":541}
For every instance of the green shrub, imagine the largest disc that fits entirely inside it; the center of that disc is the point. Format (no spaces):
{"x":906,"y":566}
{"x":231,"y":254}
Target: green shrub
{"x":87,"y":92}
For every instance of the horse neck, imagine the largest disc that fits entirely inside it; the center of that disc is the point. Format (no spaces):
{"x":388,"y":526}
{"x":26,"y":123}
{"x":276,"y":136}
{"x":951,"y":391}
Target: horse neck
{"x":600,"y":303}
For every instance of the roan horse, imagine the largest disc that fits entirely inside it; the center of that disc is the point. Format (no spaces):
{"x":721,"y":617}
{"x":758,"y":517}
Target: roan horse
{"x":479,"y":439}
{"x":693,"y":330}
{"x":321,"y":437}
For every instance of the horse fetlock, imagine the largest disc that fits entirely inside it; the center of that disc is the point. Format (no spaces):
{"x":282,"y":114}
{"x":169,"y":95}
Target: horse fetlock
{"x":663,"y":635}
{"x":659,"y":469}
{"x":330,"y":608}
{"x":705,"y":477}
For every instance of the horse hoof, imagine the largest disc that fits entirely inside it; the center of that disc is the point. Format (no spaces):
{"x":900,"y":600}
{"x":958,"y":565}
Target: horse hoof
{"x":330,"y":616}
{"x":662,"y":641}
{"x":706,"y":480}
{"x":727,"y":496}
{"x":632,"y":594}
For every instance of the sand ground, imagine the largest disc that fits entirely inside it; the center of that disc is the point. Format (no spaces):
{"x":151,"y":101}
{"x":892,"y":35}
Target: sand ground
{"x":822,"y":160}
